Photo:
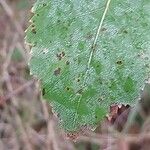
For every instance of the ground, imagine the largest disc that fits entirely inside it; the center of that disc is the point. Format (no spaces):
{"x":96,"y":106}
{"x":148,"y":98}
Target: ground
{"x":26,"y":120}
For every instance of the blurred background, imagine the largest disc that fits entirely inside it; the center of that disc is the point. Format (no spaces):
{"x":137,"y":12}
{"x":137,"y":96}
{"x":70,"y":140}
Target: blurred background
{"x":26,"y":121}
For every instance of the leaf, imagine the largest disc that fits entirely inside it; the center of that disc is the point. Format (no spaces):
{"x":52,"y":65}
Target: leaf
{"x":89,"y":55}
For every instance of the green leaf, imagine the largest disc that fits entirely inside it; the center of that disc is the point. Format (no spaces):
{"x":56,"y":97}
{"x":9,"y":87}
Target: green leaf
{"x":89,"y":55}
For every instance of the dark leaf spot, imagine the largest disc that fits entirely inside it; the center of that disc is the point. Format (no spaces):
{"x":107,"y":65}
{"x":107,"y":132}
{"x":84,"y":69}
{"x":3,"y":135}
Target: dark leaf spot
{"x":78,"y":80}
{"x":103,"y":29}
{"x":94,"y":47}
{"x":33,"y":25}
{"x":58,"y":115}
{"x":67,"y":88}
{"x":57,"y":71}
{"x":58,"y":21}
{"x":63,"y":54}
{"x":125,"y":31}
{"x":60,"y":55}
{"x":33,"y":30}
{"x":119,"y":62}
{"x":43,"y":91}
{"x":139,"y":55}
{"x":100,"y":99}
{"x":67,"y":62}
{"x":44,"y":4}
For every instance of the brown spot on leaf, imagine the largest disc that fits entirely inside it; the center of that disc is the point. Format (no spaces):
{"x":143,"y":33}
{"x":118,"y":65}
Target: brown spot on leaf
{"x":60,"y":55}
{"x":33,"y":30}
{"x":57,"y":71}
{"x":44,"y":4}
{"x":63,"y":54}
{"x":67,"y":88}
{"x":67,"y":62}
{"x":119,"y":62}
{"x":94,"y":47}
{"x":43,"y":91}
{"x":103,"y":29}
{"x":78,"y":80}
{"x":33,"y":25}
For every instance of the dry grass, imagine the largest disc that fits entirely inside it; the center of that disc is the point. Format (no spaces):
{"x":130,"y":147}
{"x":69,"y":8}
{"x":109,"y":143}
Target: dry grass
{"x":26,"y":121}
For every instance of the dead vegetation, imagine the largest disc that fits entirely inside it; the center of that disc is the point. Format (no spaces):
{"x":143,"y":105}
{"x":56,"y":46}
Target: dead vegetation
{"x":26,"y":121}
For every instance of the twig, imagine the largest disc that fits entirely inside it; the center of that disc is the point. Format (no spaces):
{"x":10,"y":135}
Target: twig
{"x":10,"y":13}
{"x":14,"y":104}
{"x":1,"y":144}
{"x":55,"y":140}
{"x":36,"y":138}
{"x":20,"y":89}
{"x":131,"y":117}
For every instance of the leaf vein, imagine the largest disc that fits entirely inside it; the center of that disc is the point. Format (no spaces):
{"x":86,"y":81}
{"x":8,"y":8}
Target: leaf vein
{"x":92,"y":53}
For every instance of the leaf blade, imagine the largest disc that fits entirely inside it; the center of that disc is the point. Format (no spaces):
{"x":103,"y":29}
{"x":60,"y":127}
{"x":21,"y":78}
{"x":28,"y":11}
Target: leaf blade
{"x":61,"y":47}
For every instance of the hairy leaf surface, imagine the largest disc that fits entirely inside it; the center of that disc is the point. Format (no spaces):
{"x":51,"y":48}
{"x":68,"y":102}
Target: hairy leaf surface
{"x":89,"y":54}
